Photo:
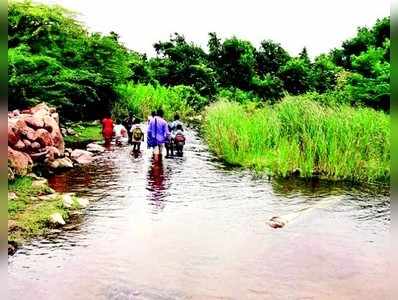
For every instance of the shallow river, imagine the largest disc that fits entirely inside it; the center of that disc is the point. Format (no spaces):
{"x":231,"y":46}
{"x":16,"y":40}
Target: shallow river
{"x":191,"y":228}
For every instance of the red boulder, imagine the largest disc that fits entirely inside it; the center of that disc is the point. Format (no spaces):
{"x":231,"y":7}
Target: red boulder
{"x":12,"y":137}
{"x":34,"y":122}
{"x":43,"y":137}
{"x":19,"y":162}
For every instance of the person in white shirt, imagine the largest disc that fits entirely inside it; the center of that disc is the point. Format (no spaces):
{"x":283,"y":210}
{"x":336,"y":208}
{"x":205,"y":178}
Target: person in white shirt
{"x":120,"y":132}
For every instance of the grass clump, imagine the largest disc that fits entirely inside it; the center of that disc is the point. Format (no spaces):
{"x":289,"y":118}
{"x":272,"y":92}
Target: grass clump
{"x":86,"y":132}
{"x":300,"y":136}
{"x":142,"y":99}
{"x":28,"y":212}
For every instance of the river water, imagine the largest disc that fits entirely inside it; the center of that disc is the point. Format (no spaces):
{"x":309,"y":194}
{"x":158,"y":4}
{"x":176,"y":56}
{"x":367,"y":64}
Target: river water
{"x":191,"y":228}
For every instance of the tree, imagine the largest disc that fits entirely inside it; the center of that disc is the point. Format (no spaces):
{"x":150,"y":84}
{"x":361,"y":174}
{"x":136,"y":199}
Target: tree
{"x":324,"y":73}
{"x":268,"y":87}
{"x":182,"y":63}
{"x":270,"y":57}
{"x":237,"y":61}
{"x":296,"y":76}
{"x":53,"y":58}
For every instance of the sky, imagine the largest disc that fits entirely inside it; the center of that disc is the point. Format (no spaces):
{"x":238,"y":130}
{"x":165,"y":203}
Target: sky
{"x":320,"y":25}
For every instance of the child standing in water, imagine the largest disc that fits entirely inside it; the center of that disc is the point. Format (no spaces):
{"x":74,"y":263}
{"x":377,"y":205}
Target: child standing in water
{"x":137,"y":136}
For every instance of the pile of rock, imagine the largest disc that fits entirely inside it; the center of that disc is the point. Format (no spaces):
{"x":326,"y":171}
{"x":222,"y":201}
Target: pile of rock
{"x":33,"y":135}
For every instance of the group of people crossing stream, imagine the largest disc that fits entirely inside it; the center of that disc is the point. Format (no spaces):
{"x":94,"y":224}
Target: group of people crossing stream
{"x":160,"y":134}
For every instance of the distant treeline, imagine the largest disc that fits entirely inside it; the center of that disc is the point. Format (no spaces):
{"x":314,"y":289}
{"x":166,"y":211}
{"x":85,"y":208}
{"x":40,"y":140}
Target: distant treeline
{"x":52,"y":57}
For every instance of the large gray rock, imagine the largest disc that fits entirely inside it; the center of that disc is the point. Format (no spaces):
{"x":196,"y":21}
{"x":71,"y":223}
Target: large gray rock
{"x":57,"y":219}
{"x":82,"y":157}
{"x":95,"y":148}
{"x":67,"y":200}
{"x":61,"y":163}
{"x":82,"y":202}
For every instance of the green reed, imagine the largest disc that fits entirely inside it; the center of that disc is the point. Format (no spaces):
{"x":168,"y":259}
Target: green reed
{"x":300,"y":136}
{"x":142,"y":99}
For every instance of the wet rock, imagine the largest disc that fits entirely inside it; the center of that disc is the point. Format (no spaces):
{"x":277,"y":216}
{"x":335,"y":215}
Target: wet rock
{"x":12,"y":137}
{"x":277,"y":222}
{"x":82,"y":157}
{"x":70,"y":131}
{"x":35,"y":146}
{"x":52,"y":153}
{"x":40,"y":184}
{"x":43,"y":137}
{"x":95,"y":148}
{"x":27,"y":143}
{"x":61,"y":163}
{"x":21,"y":128}
{"x":82,"y":202}
{"x":34,"y":176}
{"x":20,"y":146}
{"x":34,"y":122}
{"x":67,"y":200}
{"x":49,"y":197}
{"x":12,"y":196}
{"x":38,"y":156}
{"x":12,"y":248}
{"x":57,"y":219}
{"x":12,"y":226}
{"x":19,"y":162}
{"x":34,"y":130}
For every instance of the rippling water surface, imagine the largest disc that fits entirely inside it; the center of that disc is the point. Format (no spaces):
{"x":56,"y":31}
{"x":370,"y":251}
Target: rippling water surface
{"x":190,"y":228}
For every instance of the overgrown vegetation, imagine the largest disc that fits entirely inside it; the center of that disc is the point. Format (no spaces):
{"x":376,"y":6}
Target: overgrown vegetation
{"x":53,"y":58}
{"x":30,"y":214}
{"x":332,"y":128}
{"x":142,"y":99}
{"x":302,"y":137}
{"x":85,"y":132}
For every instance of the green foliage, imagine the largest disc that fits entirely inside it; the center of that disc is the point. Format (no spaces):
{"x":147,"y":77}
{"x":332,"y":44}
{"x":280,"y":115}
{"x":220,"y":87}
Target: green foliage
{"x":181,"y":63}
{"x":142,"y":99}
{"x":237,"y":95}
{"x":31,"y":214}
{"x":238,"y":62}
{"x":296,"y":76}
{"x":53,"y":58}
{"x":300,"y":135}
{"x":85,"y":133}
{"x":269,"y":87}
{"x":270,"y":57}
{"x":324,"y":74}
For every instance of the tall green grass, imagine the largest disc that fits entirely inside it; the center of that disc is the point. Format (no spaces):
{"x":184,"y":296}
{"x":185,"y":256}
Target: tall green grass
{"x":142,"y":99}
{"x":300,"y":136}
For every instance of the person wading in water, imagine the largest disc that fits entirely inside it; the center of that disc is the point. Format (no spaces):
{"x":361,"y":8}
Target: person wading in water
{"x":158,"y":131}
{"x":107,"y":129}
{"x":128,"y":124}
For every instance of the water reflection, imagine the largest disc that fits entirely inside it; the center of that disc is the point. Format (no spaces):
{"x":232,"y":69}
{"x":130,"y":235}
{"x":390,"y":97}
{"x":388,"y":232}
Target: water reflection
{"x":157,"y":183}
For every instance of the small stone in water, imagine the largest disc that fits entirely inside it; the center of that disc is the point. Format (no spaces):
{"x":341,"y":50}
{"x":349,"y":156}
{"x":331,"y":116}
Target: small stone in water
{"x":57,"y":219}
